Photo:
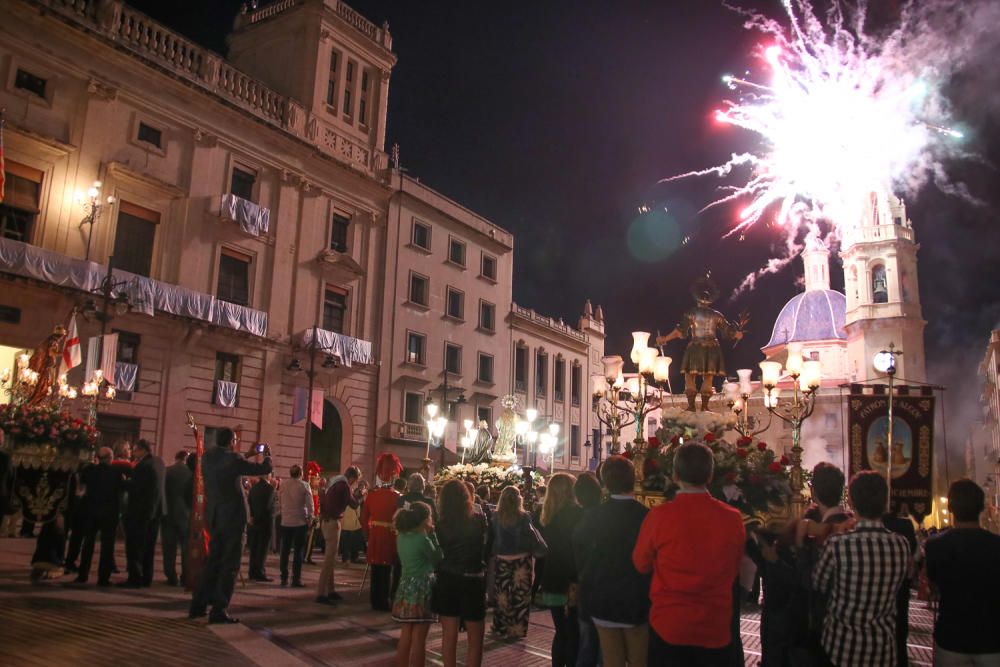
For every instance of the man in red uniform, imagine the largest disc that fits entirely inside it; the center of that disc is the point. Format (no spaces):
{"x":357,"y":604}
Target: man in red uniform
{"x":693,"y":545}
{"x":376,"y":521}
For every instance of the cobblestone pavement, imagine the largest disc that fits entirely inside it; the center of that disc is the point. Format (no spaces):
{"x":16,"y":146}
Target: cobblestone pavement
{"x":56,"y":622}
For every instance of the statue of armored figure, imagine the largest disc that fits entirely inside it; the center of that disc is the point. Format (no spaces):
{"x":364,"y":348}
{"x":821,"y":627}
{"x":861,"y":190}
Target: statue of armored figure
{"x":703,"y":325}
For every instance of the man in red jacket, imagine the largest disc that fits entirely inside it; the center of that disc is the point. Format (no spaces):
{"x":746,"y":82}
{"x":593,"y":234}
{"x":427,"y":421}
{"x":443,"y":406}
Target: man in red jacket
{"x":693,"y":546}
{"x":376,"y":520}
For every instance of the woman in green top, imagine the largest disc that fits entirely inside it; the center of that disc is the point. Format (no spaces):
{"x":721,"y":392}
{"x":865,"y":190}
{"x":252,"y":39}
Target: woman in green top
{"x":419,"y":552}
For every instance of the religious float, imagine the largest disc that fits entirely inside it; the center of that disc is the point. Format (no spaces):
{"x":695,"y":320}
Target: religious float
{"x":43,"y":444}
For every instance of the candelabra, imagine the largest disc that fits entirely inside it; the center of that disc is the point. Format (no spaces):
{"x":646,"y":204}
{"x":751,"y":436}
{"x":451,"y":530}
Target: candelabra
{"x":738,"y":400}
{"x":806,"y":377}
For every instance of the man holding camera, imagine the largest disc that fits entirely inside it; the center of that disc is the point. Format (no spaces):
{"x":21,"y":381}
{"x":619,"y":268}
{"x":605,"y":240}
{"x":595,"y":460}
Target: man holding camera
{"x":225,"y":515}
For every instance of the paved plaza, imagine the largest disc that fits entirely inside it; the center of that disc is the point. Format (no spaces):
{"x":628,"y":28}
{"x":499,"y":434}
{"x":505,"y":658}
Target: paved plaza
{"x":57,"y":622}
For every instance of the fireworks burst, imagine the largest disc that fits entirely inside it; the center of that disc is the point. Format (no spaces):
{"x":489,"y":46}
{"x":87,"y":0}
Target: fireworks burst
{"x":844,"y":117}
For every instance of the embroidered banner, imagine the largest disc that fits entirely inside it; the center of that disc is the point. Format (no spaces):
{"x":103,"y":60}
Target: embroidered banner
{"x":909,"y":455}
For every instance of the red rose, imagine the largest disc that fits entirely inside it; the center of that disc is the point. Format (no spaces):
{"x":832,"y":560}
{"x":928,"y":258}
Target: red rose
{"x":650,"y":467}
{"x":774,"y":467}
{"x":784,"y":460}
{"x":742,"y":453}
{"x":762,"y":446}
{"x":730,"y":477}
{"x":654,"y":442}
{"x":744,"y":442}
{"x":709,"y":437}
{"x":755,"y":478}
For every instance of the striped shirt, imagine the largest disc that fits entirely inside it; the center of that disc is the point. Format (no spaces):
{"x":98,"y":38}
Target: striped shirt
{"x":861,"y":570}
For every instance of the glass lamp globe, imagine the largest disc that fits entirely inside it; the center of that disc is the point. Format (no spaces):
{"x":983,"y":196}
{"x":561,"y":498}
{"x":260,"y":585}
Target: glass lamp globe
{"x":884,"y":362}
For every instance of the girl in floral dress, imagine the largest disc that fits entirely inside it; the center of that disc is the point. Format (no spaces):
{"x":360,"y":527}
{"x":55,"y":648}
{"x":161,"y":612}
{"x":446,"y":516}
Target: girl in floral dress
{"x":516,"y":543}
{"x":419,"y":552}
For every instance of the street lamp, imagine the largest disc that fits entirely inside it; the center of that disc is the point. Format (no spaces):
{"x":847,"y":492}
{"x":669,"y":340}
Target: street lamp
{"x":884,"y":361}
{"x":806,"y":377}
{"x":92,"y":204}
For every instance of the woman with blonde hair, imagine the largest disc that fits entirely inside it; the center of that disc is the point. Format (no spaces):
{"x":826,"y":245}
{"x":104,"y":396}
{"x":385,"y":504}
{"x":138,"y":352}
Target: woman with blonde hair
{"x":560,"y":515}
{"x":516,"y":543}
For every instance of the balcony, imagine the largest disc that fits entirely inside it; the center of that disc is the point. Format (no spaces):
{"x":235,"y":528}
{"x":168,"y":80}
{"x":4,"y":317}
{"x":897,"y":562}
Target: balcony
{"x":408,"y":432}
{"x":345,"y":349}
{"x":874,"y":234}
{"x":252,"y":218}
{"x":146,"y":294}
{"x":547,"y":322}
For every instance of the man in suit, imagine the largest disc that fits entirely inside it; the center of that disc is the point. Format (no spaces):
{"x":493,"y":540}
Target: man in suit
{"x":262,"y":504}
{"x":142,"y":516}
{"x":178,"y":487}
{"x":225,"y":515}
{"x":102,"y":486}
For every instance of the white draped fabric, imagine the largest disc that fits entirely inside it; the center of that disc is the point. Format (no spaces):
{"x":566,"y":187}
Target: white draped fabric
{"x":125,"y":376}
{"x":345,"y":349}
{"x":252,"y":218}
{"x":145,"y":294}
{"x":225,"y":393}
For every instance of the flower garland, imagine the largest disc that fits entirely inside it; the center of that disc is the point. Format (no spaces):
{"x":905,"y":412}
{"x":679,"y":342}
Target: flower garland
{"x":479,"y":474}
{"x":749,"y":475}
{"x":41,"y":424}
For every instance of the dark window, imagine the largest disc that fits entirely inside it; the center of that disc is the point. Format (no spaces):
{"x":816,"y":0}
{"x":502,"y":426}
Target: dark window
{"x":334,"y":309}
{"x":421,"y":235}
{"x":413,"y":405}
{"x":242,"y":182}
{"x":226,"y":368}
{"x":234,"y":277}
{"x":485,"y":368}
{"x":456,"y":252}
{"x":489,"y":268}
{"x":338,"y":232}
{"x":363,"y":101}
{"x":487,"y":316}
{"x":348,"y":109}
{"x":485,"y":414}
{"x":541,"y":361}
{"x":33,"y":84}
{"x":331,"y":83}
{"x":20,"y":203}
{"x":559,"y":381}
{"x":574,"y":441}
{"x":150,"y":135}
{"x":418,"y":289}
{"x":576,"y":384}
{"x":415,"y":348}
{"x":453,"y":359}
{"x":456,"y":304}
{"x":520,"y":368}
{"x":880,"y":286}
{"x":134,"y":237}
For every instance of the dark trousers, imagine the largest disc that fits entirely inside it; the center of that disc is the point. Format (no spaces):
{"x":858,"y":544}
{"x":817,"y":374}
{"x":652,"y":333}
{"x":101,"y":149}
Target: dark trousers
{"x":172,"y":536}
{"x":381,"y":599}
{"x":258,"y":539}
{"x":668,"y":655}
{"x":27,"y":527}
{"x":77,"y":527}
{"x":589,"y":654}
{"x":293,"y":537}
{"x":566,"y":639}
{"x":107,"y":526}
{"x":902,"y":623}
{"x":218,"y":578}
{"x":140,"y":547}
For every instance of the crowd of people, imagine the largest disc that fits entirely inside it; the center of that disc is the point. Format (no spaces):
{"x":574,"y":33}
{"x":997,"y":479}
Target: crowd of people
{"x":623,"y":584}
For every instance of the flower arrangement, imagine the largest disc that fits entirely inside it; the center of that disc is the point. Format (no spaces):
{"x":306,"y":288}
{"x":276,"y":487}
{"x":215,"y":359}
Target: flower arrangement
{"x":749,"y":475}
{"x":494,"y":477}
{"x":46,"y":424}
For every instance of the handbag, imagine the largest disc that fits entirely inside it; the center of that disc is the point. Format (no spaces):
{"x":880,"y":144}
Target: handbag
{"x":536,"y":543}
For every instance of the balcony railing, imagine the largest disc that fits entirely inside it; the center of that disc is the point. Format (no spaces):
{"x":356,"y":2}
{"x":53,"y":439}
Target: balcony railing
{"x":412,"y":432}
{"x":345,"y":349}
{"x":877,"y":233}
{"x":547,"y":322}
{"x":252,"y":218}
{"x":146,"y":294}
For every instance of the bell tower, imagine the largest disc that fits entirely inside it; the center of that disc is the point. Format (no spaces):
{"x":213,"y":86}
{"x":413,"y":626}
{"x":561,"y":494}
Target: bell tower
{"x":883,"y":301}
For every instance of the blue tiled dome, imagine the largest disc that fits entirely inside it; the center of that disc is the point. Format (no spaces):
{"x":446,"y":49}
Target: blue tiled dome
{"x":814,"y":315}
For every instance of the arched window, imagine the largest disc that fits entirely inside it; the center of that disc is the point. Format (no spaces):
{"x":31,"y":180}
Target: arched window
{"x":880,"y":288}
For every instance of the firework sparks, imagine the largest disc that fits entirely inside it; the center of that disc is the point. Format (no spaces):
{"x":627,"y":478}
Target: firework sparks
{"x":843,"y":115}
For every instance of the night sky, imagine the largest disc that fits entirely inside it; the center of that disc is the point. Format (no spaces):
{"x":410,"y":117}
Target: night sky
{"x":556,"y":120}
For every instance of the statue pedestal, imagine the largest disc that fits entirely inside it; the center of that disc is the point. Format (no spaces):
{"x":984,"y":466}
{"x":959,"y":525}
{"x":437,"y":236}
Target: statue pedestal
{"x":501,"y":463}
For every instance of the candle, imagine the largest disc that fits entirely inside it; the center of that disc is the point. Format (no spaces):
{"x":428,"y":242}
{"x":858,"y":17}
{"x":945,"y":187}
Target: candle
{"x":640,"y":341}
{"x":745,"y":386}
{"x":793,"y":364}
{"x":647,"y":359}
{"x":661,"y":368}
{"x":770,"y":373}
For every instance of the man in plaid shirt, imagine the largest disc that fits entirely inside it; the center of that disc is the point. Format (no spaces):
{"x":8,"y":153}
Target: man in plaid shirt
{"x":860,"y":571}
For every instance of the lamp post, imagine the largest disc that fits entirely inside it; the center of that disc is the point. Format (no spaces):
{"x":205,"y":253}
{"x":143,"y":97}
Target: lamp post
{"x":436,"y":424}
{"x":806,"y":377}
{"x":92,"y":206}
{"x":885,"y":362}
{"x":295,"y":366}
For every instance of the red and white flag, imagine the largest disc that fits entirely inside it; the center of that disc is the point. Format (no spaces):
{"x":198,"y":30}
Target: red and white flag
{"x":72,"y":355}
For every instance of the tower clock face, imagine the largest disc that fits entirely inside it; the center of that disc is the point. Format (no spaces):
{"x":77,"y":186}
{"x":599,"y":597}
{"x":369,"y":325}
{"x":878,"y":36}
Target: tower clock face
{"x":884,"y":362}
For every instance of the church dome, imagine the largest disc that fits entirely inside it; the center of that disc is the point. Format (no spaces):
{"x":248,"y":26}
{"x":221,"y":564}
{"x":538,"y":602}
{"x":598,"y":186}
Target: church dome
{"x":814,"y":315}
